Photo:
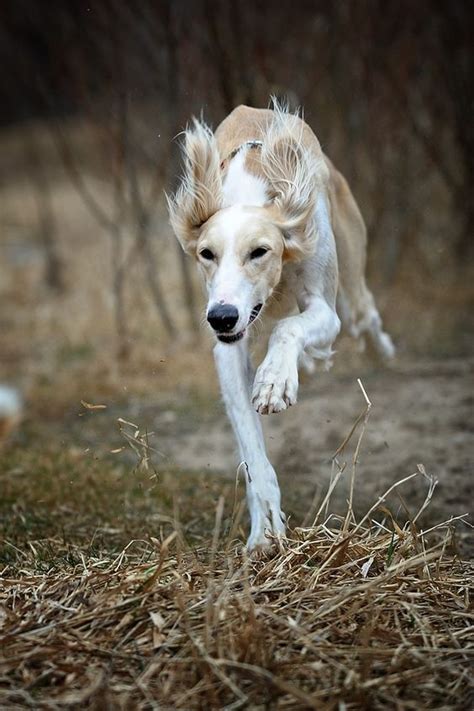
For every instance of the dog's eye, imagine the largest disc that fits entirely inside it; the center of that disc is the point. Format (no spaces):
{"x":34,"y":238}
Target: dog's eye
{"x":257,"y":253}
{"x":206,"y":254}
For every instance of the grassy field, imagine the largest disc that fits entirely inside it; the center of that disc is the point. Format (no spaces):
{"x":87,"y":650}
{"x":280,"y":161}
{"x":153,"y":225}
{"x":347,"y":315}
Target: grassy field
{"x":124,"y":585}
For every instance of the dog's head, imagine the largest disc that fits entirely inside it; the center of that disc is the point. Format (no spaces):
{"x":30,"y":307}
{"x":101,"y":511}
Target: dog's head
{"x":241,"y":250}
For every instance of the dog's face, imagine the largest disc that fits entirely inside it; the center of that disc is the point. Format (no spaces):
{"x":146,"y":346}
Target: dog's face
{"x":240,"y":252}
{"x":241,"y":249}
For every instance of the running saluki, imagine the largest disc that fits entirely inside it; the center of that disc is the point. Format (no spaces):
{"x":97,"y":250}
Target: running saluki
{"x":276,"y":232}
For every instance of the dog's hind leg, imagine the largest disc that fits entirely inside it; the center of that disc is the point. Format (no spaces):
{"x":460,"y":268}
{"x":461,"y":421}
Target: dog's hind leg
{"x":263,"y":493}
{"x":355,"y":304}
{"x":362,"y":320}
{"x":371,"y":328}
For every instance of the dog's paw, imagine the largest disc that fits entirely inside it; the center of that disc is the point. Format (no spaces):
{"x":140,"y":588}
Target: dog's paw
{"x":267,"y":533}
{"x":275,"y":386}
{"x":260,"y":551}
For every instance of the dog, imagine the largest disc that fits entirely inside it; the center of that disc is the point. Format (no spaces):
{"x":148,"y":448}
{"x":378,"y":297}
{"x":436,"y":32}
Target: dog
{"x":275,"y":231}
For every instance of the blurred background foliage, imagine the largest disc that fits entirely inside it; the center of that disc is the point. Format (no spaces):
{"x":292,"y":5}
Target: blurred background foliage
{"x":94,"y":95}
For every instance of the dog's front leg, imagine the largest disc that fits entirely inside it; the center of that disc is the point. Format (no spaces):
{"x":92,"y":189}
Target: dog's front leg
{"x":276,"y":382}
{"x":263,"y":492}
{"x":315,"y":328}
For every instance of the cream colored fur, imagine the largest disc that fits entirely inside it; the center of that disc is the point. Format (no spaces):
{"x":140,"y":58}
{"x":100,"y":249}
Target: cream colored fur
{"x":271,"y":223}
{"x":200,"y":193}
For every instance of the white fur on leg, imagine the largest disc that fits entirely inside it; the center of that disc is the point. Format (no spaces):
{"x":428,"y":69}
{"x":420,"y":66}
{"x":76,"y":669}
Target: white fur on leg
{"x":385,"y":346}
{"x":380,"y":340}
{"x":266,"y":516}
{"x":276,"y":382}
{"x":313,"y":330}
{"x":263,"y":492}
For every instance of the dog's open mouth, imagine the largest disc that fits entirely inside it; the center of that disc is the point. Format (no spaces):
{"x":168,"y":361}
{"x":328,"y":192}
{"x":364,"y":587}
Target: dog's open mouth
{"x":223,"y":338}
{"x":234,"y":337}
{"x":255,"y":311}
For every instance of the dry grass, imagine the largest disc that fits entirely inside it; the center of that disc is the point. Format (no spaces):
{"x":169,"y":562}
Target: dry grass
{"x":372,"y":618}
{"x":368,"y":614}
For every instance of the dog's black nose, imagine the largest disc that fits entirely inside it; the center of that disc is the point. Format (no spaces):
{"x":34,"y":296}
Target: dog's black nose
{"x":223,"y":317}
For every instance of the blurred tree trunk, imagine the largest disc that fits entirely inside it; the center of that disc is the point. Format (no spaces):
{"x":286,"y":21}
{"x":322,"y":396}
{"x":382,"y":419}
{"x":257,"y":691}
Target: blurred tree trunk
{"x":456,"y":36}
{"x":112,"y":225}
{"x":54,"y":267}
{"x":173,"y":90}
{"x":141,"y":215}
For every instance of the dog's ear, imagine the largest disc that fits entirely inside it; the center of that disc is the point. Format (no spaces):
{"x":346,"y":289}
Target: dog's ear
{"x":200,"y":194}
{"x":295,"y":173}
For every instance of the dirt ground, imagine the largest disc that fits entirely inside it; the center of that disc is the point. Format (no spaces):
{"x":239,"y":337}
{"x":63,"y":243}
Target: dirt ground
{"x":422,"y":413}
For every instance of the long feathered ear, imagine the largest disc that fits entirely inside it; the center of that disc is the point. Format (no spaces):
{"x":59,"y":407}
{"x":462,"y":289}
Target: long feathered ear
{"x":200,"y":194}
{"x":294,"y":166}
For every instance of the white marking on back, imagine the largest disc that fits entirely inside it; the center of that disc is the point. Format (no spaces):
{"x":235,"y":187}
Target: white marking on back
{"x":241,"y":187}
